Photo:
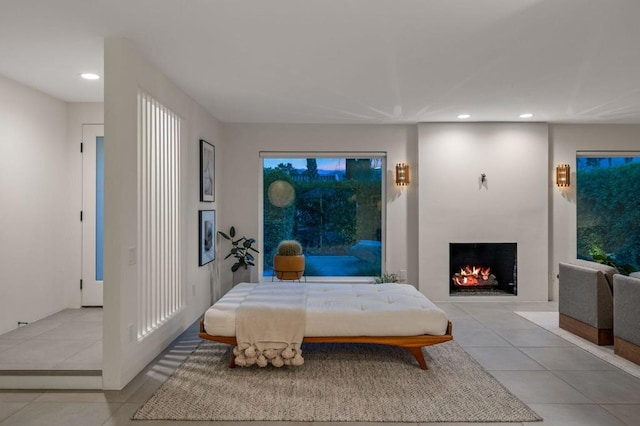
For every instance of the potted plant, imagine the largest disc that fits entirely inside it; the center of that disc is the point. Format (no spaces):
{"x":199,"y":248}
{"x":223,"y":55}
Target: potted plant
{"x":288,"y":264}
{"x":241,"y":249}
{"x":389,"y":277}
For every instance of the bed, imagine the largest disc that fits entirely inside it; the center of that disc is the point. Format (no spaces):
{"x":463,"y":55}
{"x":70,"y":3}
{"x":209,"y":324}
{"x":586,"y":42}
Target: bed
{"x":389,"y":314}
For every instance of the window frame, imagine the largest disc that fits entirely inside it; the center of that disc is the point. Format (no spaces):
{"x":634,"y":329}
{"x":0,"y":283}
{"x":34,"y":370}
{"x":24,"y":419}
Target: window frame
{"x":593,"y":154}
{"x":325,"y":154}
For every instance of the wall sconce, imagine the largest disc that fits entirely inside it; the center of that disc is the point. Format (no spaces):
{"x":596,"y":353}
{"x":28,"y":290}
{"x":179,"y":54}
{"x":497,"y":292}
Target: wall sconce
{"x":563,"y":175}
{"x":403,"y":177}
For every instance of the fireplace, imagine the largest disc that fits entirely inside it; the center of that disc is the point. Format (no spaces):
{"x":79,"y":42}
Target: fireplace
{"x":478,"y":269}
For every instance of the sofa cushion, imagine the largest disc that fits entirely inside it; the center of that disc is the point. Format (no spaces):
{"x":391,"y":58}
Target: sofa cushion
{"x":635,"y":274}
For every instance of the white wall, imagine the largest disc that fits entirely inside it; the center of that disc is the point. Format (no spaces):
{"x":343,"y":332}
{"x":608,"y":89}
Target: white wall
{"x":241,"y":170}
{"x":566,"y":140}
{"x":78,"y":113}
{"x":34,"y":204}
{"x":126,"y":71}
{"x":455,"y":207}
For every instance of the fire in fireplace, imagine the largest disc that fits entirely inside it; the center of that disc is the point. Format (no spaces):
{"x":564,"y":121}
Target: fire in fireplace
{"x":483,"y":268}
{"x":475,"y":276}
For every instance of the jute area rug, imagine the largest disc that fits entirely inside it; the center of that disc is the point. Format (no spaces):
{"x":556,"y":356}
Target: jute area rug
{"x":338,"y":382}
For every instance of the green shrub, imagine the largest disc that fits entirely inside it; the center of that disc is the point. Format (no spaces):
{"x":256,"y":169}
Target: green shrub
{"x":389,"y":277}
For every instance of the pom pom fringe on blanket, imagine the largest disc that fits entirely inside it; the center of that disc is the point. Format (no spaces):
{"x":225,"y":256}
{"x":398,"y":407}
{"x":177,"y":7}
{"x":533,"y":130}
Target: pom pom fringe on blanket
{"x":276,"y":357}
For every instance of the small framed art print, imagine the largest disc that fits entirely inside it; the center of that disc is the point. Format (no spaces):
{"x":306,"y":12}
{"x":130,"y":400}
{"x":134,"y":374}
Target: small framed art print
{"x":206,"y":236}
{"x":207,"y":171}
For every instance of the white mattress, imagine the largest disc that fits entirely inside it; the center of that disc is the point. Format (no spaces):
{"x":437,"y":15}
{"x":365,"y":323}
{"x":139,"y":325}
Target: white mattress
{"x":335,"y":309}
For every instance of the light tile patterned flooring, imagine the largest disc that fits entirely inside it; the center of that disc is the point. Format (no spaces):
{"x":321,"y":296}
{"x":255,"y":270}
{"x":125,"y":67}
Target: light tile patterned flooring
{"x":68,"y":340}
{"x":563,"y":383}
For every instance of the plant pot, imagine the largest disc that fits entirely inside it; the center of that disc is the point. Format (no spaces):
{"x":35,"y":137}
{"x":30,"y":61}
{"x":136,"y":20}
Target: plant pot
{"x":288,"y":267}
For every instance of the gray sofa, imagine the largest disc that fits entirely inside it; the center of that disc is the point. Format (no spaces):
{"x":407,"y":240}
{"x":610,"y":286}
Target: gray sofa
{"x":626,"y":317}
{"x":585,"y":300}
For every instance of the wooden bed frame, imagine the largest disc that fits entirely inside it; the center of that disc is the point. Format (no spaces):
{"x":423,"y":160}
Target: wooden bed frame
{"x":413,"y":343}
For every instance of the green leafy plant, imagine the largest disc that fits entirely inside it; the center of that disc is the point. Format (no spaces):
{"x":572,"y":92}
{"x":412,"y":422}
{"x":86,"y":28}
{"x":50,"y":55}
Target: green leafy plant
{"x":600,"y":256}
{"x":389,"y":277}
{"x":241,"y":249}
{"x":289,"y":248}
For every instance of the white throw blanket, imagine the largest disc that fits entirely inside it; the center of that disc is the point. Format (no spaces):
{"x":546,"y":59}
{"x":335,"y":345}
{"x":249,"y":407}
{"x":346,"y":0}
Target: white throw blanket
{"x":270,"y":325}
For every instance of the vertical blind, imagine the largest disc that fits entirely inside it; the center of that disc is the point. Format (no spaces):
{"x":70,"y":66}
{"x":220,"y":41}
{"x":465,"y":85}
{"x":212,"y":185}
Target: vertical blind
{"x":159,"y":239}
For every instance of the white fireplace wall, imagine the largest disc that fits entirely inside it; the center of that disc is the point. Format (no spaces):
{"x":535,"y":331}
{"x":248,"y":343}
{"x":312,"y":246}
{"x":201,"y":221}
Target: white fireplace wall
{"x":511,"y":206}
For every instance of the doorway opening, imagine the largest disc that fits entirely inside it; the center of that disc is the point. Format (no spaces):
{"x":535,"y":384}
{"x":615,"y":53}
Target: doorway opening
{"x":92,"y":214}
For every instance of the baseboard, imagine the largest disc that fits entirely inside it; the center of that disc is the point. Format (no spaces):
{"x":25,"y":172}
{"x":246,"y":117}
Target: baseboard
{"x":626,"y":350}
{"x":598,"y":336}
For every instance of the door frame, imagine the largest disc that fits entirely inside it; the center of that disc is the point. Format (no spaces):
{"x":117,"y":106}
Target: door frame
{"x":91,"y":290}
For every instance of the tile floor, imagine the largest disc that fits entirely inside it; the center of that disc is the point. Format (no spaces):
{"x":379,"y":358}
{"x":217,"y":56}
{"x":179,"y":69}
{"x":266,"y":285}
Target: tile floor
{"x":68,"y":340}
{"x":563,"y":383}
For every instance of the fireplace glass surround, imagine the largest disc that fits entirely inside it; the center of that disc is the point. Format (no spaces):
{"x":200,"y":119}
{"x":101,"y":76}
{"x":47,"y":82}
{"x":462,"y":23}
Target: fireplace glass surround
{"x":483,"y":269}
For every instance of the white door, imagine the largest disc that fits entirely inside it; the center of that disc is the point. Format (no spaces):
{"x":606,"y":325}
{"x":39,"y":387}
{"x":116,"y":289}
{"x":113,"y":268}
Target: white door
{"x":92,"y":213}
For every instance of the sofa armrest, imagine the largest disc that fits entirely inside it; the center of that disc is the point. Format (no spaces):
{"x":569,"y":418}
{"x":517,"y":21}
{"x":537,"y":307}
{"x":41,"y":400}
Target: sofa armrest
{"x":626,"y":323}
{"x":608,"y":271}
{"x":585,"y":295}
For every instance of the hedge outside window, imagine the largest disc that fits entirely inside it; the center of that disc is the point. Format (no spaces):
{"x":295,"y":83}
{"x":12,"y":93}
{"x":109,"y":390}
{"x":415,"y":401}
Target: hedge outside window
{"x":332,"y":206}
{"x":608,"y":213}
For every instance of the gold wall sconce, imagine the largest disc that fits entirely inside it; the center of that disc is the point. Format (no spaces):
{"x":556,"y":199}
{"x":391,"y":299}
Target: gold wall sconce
{"x":403,"y":177}
{"x":563,"y":175}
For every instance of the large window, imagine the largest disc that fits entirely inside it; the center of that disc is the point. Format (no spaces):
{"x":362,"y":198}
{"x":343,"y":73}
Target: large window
{"x":608,"y":209}
{"x":332,"y":205}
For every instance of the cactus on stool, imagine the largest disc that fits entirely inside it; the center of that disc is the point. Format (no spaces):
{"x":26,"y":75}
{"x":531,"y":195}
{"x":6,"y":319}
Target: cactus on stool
{"x":288,"y":263}
{"x":289,"y":248}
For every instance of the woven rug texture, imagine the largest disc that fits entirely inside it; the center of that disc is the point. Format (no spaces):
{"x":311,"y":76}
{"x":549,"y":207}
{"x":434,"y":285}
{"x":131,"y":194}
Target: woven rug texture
{"x":338,"y":382}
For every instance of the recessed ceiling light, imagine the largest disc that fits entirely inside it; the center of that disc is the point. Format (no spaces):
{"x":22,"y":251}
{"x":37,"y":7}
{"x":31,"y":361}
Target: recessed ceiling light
{"x":526,"y":115}
{"x":464,"y":116}
{"x":90,"y":76}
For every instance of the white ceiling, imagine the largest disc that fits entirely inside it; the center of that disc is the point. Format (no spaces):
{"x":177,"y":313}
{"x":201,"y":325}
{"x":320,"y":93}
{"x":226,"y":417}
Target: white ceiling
{"x":347,"y":61}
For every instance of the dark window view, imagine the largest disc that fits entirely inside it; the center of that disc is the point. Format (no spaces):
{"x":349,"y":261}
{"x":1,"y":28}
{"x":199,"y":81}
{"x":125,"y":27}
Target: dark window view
{"x":608,"y":211}
{"x":331,"y":206}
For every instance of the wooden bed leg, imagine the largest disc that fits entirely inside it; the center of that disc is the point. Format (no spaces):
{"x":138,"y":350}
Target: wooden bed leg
{"x":419,"y":356}
{"x":232,"y":364}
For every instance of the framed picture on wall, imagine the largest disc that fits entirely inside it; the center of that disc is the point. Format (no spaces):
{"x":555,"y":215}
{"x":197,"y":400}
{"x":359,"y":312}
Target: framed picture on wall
{"x":206,"y":236}
{"x":207,"y":171}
